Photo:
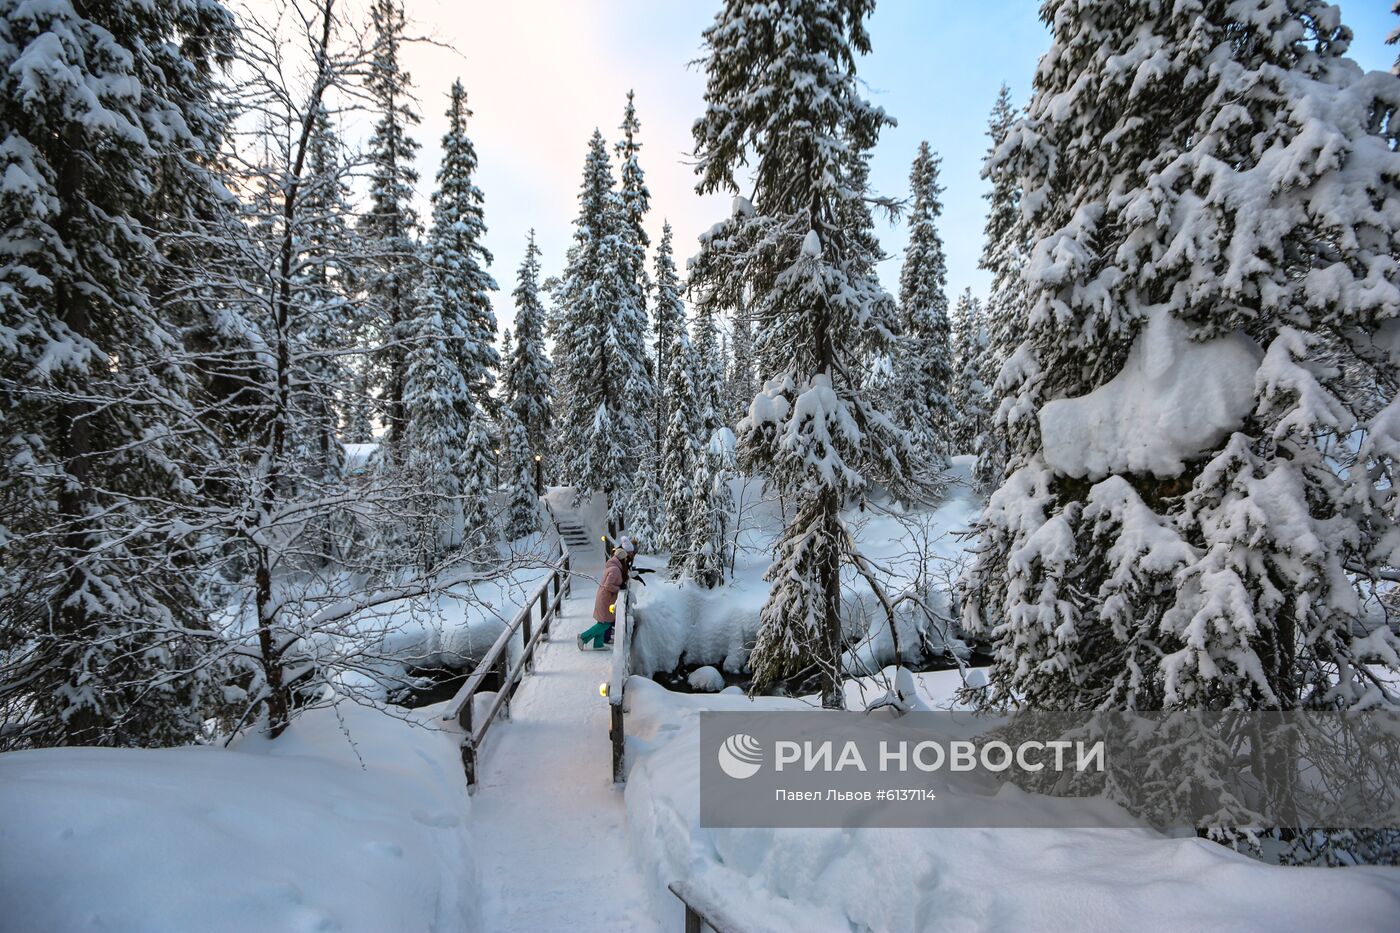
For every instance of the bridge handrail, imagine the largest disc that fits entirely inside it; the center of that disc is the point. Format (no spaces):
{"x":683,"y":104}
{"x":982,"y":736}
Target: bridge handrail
{"x":701,"y":908}
{"x":621,"y":670}
{"x":497,"y":659}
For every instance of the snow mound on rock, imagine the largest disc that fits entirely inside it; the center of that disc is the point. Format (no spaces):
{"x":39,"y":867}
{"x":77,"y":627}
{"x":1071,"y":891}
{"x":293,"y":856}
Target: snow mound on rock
{"x":1173,"y":400}
{"x":706,"y":679}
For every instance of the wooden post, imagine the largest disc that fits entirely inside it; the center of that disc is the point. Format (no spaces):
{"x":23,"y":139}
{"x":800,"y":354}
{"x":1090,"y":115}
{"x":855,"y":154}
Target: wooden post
{"x":544,"y":610}
{"x":527,"y":653}
{"x":464,"y":719}
{"x":692,"y":920}
{"x":502,"y":675}
{"x":618,"y":740}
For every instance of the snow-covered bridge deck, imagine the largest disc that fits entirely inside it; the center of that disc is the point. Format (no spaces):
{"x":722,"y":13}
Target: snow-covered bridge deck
{"x":550,"y":828}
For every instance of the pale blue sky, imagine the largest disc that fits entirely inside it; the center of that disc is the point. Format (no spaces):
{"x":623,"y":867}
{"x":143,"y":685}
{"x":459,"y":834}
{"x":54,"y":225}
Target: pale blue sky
{"x":541,"y":74}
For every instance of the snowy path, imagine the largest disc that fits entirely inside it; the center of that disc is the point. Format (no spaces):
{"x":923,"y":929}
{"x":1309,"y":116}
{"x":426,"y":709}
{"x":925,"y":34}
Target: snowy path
{"x":550,"y":829}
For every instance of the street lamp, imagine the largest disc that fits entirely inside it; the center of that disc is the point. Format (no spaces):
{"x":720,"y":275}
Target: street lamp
{"x":539,"y":476}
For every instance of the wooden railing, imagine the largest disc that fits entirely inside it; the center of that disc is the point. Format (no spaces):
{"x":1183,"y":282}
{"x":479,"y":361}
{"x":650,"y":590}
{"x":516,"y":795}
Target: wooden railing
{"x":703,"y":911}
{"x":621,"y":670}
{"x":532,"y":623}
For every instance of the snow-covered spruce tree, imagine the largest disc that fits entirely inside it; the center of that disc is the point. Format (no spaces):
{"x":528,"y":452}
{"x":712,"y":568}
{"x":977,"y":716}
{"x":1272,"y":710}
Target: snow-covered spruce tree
{"x":323,"y":283}
{"x":970,"y":394}
{"x":740,"y":383}
{"x":528,"y":385}
{"x":109,"y":121}
{"x":668,"y":319}
{"x":390,"y":224}
{"x":643,"y":510}
{"x":458,"y":260}
{"x":600,"y":332}
{"x":636,"y":201}
{"x":783,"y":101}
{"x":645,"y":517}
{"x":711,"y":511}
{"x":507,"y":362}
{"x":439,"y":408}
{"x":522,"y":505}
{"x":681,"y":449}
{"x":1201,"y":410}
{"x":358,"y":421}
{"x":707,"y":371}
{"x":482,"y":475}
{"x":640,"y":391}
{"x":1003,"y":254}
{"x":923,"y":359}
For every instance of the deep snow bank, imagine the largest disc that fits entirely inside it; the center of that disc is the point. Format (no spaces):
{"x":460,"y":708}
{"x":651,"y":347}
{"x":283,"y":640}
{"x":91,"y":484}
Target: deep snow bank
{"x":958,"y":879}
{"x":353,"y":820}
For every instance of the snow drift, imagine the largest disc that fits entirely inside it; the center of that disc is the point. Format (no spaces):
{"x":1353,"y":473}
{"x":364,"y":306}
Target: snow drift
{"x":957,"y":879}
{"x":352,"y":820}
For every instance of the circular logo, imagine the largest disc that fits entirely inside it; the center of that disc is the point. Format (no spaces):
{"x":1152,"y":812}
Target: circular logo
{"x":740,"y":756}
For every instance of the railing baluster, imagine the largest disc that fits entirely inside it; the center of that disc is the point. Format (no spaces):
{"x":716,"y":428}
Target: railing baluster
{"x":503,"y":678}
{"x":464,"y":718}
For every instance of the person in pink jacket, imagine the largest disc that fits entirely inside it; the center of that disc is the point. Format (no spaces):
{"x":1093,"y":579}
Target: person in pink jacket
{"x":614,"y":581}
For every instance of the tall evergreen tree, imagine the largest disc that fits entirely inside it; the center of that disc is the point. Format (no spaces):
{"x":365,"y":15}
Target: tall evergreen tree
{"x":636,"y":200}
{"x":742,"y":384}
{"x":602,"y":364}
{"x":323,"y":285}
{"x":708,"y":372}
{"x":970,"y":393}
{"x":1003,"y":255}
{"x":641,"y":391}
{"x":1213,"y":564}
{"x":529,"y":385}
{"x":711,"y":511}
{"x":522,"y":504}
{"x":439,"y":408}
{"x":668,"y":320}
{"x":458,"y":259}
{"x":482,"y":471}
{"x":358,"y":425}
{"x":681,"y":450}
{"x":783,"y":99}
{"x":923,"y":361}
{"x":391,"y":224}
{"x":110,"y":122}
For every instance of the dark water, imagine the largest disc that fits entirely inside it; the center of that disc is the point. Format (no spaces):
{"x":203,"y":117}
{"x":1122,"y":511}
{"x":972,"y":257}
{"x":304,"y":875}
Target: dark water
{"x":424,"y":686}
{"x":678,"y":680}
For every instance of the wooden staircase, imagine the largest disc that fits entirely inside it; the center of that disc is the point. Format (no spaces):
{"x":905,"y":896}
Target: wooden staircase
{"x":575,"y":535}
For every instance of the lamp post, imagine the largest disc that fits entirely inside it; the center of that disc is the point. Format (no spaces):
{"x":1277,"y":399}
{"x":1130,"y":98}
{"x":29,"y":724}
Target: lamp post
{"x":539,"y":476}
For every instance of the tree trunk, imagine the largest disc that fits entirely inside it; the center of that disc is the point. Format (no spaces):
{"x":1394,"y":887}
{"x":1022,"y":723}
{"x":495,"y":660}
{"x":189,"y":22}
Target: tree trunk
{"x":833,"y":697}
{"x":85,"y":725}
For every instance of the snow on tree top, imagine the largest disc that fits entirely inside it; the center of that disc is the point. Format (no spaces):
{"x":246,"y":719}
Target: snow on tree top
{"x":1173,"y":400}
{"x":812,"y":244}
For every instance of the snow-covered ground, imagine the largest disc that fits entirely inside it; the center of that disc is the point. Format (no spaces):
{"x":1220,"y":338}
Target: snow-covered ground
{"x":352,"y":821}
{"x":955,"y":879}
